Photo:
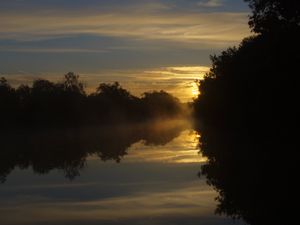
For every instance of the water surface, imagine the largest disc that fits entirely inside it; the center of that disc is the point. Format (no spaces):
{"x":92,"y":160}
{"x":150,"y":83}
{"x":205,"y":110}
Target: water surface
{"x":146,"y":175}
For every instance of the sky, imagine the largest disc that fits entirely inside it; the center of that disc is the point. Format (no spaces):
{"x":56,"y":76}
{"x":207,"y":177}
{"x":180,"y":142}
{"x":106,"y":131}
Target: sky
{"x":158,"y":44}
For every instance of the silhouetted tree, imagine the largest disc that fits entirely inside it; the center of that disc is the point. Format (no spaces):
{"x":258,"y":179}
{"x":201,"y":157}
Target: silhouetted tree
{"x":114,"y":103}
{"x":248,"y":110}
{"x":161,"y":104}
{"x":113,"y":91}
{"x":65,"y":104}
{"x":72,"y":83}
{"x":274,"y":15}
{"x":8,"y":103}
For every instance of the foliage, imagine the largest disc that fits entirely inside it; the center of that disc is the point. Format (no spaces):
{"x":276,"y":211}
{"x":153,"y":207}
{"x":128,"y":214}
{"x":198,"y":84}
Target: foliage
{"x":248,"y":110}
{"x":274,"y":15}
{"x":66,"y":104}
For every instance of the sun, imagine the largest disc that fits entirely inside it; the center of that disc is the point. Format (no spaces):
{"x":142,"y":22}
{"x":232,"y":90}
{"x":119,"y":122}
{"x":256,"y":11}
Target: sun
{"x":195,"y":90}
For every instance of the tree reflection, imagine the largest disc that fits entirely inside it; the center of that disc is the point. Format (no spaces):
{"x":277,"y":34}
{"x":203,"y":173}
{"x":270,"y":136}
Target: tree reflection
{"x":254,"y":175}
{"x":68,"y":149}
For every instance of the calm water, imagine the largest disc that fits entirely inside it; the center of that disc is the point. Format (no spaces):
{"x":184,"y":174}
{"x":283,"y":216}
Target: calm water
{"x":155,"y":181}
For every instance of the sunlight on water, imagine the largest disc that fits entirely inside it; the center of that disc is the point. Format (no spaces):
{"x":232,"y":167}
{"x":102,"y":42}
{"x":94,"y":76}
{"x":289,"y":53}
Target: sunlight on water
{"x":169,"y":141}
{"x":183,"y":149}
{"x":156,"y":180}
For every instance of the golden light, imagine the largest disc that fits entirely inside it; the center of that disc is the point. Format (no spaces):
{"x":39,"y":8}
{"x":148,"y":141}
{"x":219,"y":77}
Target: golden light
{"x":195,"y":90}
{"x":179,"y":81}
{"x":183,"y":149}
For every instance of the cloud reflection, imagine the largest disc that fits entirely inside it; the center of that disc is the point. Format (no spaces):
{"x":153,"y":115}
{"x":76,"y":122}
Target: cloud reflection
{"x":183,"y":149}
{"x":175,"y":205}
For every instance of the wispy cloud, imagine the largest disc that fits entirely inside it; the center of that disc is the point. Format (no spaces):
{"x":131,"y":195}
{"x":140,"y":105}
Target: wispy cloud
{"x":52,"y":50}
{"x":86,"y":36}
{"x":185,"y":28}
{"x":210,"y":3}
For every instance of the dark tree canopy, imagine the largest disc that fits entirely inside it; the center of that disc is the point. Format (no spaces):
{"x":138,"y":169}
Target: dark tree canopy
{"x":248,"y":110}
{"x":72,"y":83}
{"x":66,"y":104}
{"x":274,"y":15}
{"x":249,"y":115}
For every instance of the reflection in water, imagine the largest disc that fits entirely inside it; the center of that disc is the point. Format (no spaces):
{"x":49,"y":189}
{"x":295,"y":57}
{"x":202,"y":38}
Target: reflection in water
{"x":255,"y":181}
{"x":68,"y":150}
{"x":183,"y":149}
{"x":155,"y":184}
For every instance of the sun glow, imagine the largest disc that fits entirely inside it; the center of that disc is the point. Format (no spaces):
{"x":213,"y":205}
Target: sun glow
{"x":183,"y":149}
{"x":195,"y":90}
{"x":180,"y":81}
{"x":190,"y":69}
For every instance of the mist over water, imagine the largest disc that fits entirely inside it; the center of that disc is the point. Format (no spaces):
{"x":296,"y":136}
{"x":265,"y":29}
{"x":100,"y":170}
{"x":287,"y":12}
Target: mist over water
{"x":149,"y":112}
{"x":107,"y":175}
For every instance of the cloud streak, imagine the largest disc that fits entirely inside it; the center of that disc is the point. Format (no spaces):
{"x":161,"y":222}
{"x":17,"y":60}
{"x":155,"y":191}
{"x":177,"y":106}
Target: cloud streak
{"x":185,"y":28}
{"x":210,"y":3}
{"x":86,"y":36}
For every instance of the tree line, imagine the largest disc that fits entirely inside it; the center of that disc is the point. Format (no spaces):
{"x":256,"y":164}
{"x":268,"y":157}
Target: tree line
{"x":48,"y":104}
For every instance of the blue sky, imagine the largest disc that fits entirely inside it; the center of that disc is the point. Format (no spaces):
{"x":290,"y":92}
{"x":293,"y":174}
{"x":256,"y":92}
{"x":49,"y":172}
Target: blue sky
{"x":39,"y":37}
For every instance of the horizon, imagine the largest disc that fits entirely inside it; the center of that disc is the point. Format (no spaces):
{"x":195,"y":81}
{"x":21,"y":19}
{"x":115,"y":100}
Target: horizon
{"x":136,"y":43}
{"x":148,"y":112}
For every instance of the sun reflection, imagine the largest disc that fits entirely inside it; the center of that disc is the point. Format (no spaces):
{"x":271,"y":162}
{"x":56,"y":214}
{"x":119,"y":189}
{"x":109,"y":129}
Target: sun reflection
{"x":183,"y":149}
